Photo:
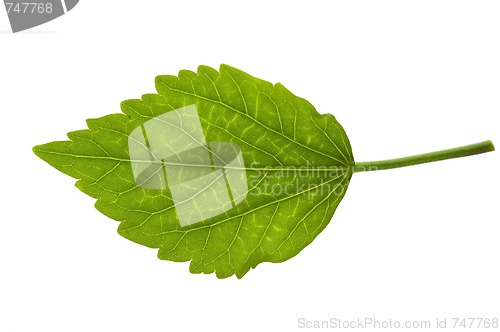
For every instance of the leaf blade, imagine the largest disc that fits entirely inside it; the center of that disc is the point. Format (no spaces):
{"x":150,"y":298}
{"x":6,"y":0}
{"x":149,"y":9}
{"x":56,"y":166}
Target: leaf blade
{"x":279,"y":134}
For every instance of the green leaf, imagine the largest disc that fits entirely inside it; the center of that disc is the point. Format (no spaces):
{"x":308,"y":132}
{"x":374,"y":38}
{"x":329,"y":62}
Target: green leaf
{"x":295,"y":165}
{"x":219,"y":168}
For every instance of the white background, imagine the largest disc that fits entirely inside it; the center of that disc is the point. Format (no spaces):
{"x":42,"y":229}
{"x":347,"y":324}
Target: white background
{"x":402,"y":77}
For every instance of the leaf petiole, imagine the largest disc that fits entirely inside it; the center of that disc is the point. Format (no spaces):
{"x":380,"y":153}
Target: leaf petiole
{"x":461,"y":151}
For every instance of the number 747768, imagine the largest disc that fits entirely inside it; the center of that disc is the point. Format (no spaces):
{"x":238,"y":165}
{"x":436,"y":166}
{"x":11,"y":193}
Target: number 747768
{"x":29,"y":7}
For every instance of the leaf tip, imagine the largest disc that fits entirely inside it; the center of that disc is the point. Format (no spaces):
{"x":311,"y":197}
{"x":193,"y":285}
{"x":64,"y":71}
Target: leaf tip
{"x":41,"y":151}
{"x":36,"y":150}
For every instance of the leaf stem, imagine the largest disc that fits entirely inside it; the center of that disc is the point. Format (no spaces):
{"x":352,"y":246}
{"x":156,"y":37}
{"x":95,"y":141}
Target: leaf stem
{"x":462,"y":151}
